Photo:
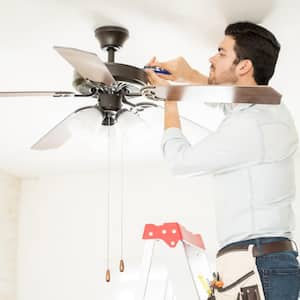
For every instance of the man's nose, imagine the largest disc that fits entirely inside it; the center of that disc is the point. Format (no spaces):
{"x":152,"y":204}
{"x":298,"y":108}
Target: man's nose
{"x":211,"y":59}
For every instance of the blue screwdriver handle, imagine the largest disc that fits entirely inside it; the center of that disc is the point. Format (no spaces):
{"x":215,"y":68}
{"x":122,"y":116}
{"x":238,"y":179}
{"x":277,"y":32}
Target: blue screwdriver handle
{"x":158,"y":70}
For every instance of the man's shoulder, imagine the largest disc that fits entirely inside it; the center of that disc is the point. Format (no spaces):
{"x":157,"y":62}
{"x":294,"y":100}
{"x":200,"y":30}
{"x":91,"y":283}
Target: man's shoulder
{"x":266,"y":114}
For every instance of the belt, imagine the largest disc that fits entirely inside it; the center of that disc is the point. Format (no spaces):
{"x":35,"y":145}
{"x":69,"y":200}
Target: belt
{"x":260,"y":250}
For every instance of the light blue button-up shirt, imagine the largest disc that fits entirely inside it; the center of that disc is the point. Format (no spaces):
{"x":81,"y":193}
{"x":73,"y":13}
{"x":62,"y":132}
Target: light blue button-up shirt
{"x":250,"y":156}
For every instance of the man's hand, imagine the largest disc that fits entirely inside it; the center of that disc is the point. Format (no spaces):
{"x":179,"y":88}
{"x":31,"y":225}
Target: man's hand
{"x":180,"y":71}
{"x":154,"y":79}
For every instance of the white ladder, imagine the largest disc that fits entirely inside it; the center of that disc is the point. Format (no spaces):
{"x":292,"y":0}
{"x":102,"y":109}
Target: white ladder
{"x":183,"y":255}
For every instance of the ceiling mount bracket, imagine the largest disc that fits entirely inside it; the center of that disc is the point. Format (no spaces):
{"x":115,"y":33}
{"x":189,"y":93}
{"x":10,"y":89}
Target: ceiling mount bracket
{"x":111,"y":38}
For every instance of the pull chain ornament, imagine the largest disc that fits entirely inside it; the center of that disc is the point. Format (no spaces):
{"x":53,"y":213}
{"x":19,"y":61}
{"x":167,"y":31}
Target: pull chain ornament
{"x":121,"y":266}
{"x":107,"y":275}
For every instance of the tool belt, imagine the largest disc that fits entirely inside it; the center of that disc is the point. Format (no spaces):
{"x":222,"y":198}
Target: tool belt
{"x":237,"y":271}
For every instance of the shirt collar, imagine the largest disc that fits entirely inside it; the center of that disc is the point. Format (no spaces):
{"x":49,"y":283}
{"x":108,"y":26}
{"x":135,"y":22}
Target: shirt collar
{"x":233,"y":107}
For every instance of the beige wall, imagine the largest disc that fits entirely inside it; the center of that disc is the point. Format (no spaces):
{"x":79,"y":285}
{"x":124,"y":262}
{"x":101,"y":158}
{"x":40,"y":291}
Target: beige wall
{"x":62,"y":229}
{"x":9,"y":195}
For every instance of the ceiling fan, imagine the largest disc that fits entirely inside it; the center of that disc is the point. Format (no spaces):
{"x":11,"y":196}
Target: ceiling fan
{"x":114,"y":85}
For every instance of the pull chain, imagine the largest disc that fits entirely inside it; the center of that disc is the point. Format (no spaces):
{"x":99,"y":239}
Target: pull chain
{"x":107,"y":275}
{"x":122,"y":265}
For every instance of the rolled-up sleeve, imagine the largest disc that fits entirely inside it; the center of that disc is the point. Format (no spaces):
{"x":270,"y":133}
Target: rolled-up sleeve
{"x":237,"y":143}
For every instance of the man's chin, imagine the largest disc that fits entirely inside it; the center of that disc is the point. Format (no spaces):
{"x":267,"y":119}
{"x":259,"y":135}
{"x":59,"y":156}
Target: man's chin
{"x":212,"y":81}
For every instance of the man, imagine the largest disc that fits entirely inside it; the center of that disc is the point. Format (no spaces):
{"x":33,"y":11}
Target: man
{"x":250,"y":157}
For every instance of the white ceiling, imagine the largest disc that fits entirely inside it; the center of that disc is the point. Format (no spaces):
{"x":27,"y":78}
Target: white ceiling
{"x":30,"y":29}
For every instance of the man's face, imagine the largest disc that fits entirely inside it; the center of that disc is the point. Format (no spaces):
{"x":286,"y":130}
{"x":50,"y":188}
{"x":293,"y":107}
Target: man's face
{"x":223,"y":68}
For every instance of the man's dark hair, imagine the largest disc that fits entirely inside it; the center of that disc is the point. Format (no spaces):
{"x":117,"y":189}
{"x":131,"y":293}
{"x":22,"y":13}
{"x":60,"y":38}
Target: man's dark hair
{"x":257,"y":44}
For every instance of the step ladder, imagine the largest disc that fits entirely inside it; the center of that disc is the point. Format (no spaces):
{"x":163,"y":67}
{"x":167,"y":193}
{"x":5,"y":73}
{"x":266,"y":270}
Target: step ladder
{"x":182,"y":253}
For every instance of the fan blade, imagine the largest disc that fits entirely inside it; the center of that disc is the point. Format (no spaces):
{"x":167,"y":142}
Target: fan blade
{"x":55,"y":137}
{"x":37,"y":93}
{"x":215,"y":93}
{"x":58,"y":135}
{"x":87,"y":64}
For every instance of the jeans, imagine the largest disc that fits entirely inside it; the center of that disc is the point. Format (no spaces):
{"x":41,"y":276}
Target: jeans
{"x":279,"y":272}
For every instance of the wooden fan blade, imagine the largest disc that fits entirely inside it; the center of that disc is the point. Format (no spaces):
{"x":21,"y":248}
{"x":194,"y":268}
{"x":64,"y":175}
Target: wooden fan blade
{"x":36,"y":93}
{"x":215,"y":93}
{"x":87,"y":64}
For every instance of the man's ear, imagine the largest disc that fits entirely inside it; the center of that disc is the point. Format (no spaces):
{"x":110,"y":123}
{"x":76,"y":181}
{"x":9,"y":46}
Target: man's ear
{"x":244,"y":67}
